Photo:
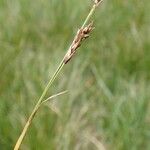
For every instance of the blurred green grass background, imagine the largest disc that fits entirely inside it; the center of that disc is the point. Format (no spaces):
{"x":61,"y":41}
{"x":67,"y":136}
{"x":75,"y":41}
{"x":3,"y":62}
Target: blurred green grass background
{"x":108,"y":80}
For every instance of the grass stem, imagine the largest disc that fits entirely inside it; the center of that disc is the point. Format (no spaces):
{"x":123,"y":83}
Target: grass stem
{"x":40,"y":101}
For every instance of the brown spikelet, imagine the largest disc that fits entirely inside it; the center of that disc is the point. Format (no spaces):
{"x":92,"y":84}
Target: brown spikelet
{"x":97,"y":2}
{"x":81,"y":35}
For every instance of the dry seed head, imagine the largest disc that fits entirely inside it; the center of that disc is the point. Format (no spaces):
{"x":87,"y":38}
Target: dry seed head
{"x":97,"y":2}
{"x":81,"y":35}
{"x":88,"y":29}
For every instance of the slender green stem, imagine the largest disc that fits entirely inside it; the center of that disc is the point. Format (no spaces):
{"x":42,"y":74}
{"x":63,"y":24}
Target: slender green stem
{"x":37,"y":106}
{"x":89,"y":15}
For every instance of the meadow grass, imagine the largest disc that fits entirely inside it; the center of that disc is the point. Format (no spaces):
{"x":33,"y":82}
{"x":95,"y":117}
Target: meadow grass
{"x":108,"y":81}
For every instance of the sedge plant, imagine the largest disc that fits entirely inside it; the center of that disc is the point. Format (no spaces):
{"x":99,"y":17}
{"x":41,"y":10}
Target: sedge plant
{"x":81,"y":35}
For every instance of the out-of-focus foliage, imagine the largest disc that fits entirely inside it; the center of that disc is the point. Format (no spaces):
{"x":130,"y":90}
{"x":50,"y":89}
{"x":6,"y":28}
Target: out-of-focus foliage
{"x":108,"y":80}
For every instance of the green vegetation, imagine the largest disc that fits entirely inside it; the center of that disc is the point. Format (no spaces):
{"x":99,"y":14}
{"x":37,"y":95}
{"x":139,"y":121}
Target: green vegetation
{"x":108,"y":80}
